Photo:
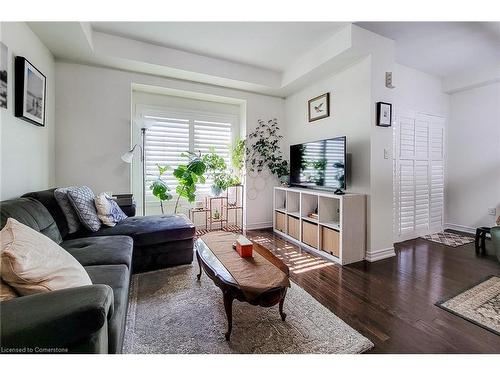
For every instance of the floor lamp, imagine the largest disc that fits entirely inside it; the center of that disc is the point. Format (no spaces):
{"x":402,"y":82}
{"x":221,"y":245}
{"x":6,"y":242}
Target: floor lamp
{"x":128,"y":157}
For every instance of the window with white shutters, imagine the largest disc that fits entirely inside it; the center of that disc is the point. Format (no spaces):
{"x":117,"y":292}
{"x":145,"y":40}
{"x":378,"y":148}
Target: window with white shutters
{"x":216,"y":136}
{"x":172,"y":132}
{"x":418,"y":175}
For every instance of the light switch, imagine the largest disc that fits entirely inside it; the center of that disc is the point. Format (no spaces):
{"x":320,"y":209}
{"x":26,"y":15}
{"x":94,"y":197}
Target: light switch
{"x":387,"y":153}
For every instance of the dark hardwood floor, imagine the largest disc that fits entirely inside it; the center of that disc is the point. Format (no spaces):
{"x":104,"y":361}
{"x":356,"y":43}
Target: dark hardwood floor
{"x":392,"y":301}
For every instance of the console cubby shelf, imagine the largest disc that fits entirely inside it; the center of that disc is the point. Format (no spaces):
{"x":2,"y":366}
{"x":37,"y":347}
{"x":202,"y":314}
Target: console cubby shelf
{"x":336,"y":230}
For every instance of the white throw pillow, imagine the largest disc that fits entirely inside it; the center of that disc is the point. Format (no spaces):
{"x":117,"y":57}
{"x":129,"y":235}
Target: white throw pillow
{"x":33,"y":263}
{"x":108,"y":210}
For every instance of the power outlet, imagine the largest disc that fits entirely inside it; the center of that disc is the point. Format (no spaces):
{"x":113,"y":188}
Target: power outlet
{"x":492,"y":211}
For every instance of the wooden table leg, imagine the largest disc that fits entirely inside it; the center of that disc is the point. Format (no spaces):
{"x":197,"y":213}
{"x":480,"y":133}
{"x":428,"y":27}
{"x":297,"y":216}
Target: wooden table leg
{"x":282,"y":300}
{"x":483,"y":244}
{"x":228,"y":305}
{"x":199,"y":265}
{"x":476,"y":240}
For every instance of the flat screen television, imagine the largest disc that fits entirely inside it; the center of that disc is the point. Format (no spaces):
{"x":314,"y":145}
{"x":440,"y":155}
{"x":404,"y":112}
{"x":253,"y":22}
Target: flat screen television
{"x":319,"y":165}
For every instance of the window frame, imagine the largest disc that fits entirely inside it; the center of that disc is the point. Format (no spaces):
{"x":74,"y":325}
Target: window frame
{"x":142,"y":110}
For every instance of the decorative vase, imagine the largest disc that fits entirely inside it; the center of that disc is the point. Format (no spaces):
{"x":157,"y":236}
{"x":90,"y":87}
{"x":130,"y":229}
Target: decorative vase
{"x":216,"y":191}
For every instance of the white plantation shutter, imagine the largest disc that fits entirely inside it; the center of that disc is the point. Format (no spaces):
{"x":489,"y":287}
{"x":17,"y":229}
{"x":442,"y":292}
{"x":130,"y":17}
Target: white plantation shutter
{"x":216,"y":135}
{"x":166,"y":140}
{"x":418,"y":175}
{"x":172,"y":132}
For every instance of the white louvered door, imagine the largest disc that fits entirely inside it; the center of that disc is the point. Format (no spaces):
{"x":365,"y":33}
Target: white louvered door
{"x":418,"y":175}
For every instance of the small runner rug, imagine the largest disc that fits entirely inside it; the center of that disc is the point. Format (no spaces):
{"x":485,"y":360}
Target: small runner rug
{"x":171,"y":312}
{"x":479,"y":304}
{"x":449,"y":239}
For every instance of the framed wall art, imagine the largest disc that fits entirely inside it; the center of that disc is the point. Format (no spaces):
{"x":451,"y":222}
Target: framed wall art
{"x":4,"y":74}
{"x":319,"y":107}
{"x":30,"y":92}
{"x":384,"y":114}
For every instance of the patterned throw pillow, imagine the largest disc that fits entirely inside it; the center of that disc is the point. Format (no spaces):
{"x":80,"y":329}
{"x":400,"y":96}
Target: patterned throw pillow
{"x":69,"y":212}
{"x":108,"y":210}
{"x":82,"y":200}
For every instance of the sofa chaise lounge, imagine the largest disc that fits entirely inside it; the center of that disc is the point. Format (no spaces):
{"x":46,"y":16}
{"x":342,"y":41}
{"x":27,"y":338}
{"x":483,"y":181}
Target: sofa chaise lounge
{"x":88,"y":319}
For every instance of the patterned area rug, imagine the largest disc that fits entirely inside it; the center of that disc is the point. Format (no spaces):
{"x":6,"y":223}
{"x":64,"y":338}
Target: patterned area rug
{"x":171,"y":312}
{"x":479,"y":304}
{"x":449,"y":239}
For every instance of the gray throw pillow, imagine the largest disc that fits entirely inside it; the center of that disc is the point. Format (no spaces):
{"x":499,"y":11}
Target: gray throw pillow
{"x":61,"y":196}
{"x":82,"y":200}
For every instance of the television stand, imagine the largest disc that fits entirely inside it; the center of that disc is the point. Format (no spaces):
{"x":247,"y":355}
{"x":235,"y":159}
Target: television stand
{"x":339,"y":192}
{"x":322,"y":223}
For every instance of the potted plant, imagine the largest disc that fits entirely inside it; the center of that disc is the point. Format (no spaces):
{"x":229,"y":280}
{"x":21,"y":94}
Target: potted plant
{"x":263,"y":149}
{"x":217,"y":169}
{"x":188,"y":175}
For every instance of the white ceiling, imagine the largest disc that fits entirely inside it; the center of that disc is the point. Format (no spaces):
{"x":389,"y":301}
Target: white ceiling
{"x":442,"y":48}
{"x":269,"y":45}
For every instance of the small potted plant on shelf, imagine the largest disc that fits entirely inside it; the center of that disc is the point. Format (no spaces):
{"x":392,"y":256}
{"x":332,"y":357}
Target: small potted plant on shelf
{"x":217,"y":170}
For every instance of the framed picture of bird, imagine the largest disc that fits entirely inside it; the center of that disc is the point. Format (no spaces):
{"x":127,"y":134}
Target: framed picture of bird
{"x":319,"y":107}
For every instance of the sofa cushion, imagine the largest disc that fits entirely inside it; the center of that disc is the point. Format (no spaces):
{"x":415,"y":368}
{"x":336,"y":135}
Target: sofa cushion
{"x":47,"y":198}
{"x":32,"y":213}
{"x":150,"y":230}
{"x":62,"y":198}
{"x":118,"y":278}
{"x":82,"y":200}
{"x":91,"y":251}
{"x":33,"y":263}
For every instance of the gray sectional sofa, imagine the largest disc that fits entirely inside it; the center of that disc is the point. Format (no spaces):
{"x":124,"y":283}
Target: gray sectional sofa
{"x":89,"y":319}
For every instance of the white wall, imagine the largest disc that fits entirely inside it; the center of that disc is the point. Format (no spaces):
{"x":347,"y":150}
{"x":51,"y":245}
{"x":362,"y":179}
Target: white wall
{"x":93,"y":114}
{"x":349,"y":116}
{"x":27,"y":150}
{"x":473,"y":178}
{"x":420,"y":92}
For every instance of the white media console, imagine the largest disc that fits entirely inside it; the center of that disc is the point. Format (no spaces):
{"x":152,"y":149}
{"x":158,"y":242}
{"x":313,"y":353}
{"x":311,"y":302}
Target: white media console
{"x":332,"y":226}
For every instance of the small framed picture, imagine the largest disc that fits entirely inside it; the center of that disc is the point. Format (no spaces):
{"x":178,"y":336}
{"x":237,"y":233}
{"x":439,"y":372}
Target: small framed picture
{"x":4,"y":63}
{"x":384,"y":114}
{"x":30,"y":92}
{"x":319,"y":107}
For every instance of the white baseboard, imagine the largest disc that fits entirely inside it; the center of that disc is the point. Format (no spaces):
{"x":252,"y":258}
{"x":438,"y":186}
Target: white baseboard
{"x":262,"y":225}
{"x":380,"y":254}
{"x":460,"y":228}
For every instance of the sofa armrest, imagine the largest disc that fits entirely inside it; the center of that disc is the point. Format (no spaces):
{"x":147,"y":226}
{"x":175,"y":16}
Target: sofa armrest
{"x":495,"y":237}
{"x":55,"y":319}
{"x":128,"y":209}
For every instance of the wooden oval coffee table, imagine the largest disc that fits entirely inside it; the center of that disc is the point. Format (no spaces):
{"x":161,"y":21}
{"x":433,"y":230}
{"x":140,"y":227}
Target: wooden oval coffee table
{"x":232,"y":289}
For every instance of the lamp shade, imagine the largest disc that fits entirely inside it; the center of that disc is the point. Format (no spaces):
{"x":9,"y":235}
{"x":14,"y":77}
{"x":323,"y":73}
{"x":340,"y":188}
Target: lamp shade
{"x":129,"y":155}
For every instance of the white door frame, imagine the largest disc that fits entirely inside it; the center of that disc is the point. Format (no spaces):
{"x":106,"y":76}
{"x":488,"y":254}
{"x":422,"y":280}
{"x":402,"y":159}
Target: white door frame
{"x":434,"y":120}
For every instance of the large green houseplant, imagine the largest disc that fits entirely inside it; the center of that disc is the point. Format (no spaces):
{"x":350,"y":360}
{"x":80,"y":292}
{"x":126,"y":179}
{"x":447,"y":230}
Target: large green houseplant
{"x":188,"y":175}
{"x":263,"y":149}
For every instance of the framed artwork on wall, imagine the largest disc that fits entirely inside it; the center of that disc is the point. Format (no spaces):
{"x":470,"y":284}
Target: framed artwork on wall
{"x":4,"y":63}
{"x":319,"y":107}
{"x":30,"y":92}
{"x":384,"y":114}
